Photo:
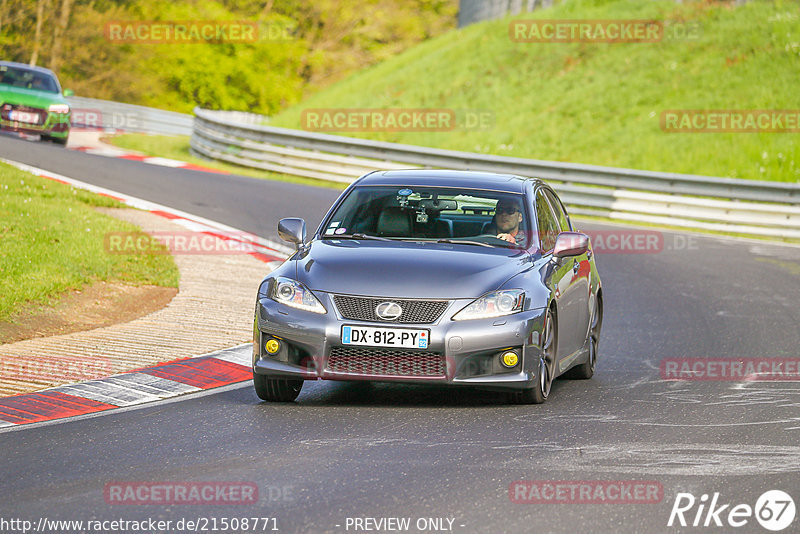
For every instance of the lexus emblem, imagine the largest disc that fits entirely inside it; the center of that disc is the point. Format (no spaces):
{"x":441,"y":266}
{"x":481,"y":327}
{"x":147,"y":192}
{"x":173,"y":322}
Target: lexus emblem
{"x":388,"y":311}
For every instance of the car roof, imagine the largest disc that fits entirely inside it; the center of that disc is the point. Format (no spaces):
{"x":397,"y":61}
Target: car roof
{"x":28,"y":67}
{"x":490,"y":181}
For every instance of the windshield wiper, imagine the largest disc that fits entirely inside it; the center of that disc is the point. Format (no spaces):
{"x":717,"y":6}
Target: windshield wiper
{"x":356,"y":236}
{"x":466,"y":242}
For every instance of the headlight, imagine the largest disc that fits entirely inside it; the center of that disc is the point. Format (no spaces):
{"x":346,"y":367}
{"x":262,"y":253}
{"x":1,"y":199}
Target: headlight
{"x":294,"y":294}
{"x":58,"y":108}
{"x":494,"y":304}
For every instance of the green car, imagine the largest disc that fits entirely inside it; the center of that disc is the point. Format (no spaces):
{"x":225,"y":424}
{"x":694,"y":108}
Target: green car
{"x":31,"y":102}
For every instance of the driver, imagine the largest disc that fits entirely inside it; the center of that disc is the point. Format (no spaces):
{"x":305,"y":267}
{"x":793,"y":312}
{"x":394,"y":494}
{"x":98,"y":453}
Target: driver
{"x":507,"y":218}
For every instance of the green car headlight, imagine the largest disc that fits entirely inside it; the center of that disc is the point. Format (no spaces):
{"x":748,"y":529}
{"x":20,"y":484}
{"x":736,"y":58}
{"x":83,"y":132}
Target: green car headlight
{"x":58,"y":108}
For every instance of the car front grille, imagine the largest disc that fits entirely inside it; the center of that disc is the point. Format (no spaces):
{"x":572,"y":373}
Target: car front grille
{"x":414,"y":311}
{"x":6,"y":109}
{"x":383,"y":362}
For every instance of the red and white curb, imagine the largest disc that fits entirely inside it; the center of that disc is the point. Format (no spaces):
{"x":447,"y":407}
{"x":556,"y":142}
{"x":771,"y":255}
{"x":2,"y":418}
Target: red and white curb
{"x":140,"y":386}
{"x":149,"y":384}
{"x":112,"y":152}
{"x":263,"y":249}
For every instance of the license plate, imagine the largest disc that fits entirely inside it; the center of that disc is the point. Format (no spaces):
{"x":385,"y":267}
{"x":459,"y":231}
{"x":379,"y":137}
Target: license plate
{"x":24,"y":116}
{"x":372,"y":336}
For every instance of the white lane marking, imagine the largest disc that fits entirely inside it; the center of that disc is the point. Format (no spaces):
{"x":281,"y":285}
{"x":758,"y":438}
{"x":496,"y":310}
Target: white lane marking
{"x":243,"y":347}
{"x":103,"y":151}
{"x":194,"y":226}
{"x":112,"y":152}
{"x":239,"y":240}
{"x":152,"y":385}
{"x":240,"y":356}
{"x":152,"y":206}
{"x":108,"y":392}
{"x":165,"y":162}
{"x":6,"y":423}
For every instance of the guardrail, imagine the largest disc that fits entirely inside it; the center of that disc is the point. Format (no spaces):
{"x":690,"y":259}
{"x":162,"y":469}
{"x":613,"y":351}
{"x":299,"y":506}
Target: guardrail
{"x":710,"y":203}
{"x":107,"y":115}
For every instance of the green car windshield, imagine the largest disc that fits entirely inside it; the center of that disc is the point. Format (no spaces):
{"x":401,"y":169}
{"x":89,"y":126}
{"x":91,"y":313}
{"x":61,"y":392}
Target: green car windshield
{"x":28,"y":79}
{"x":469,"y":216}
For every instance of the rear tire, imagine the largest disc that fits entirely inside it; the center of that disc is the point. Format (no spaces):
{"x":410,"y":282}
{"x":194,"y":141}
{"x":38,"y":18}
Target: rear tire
{"x":585,"y":371}
{"x":545,"y":370}
{"x":276,"y":389}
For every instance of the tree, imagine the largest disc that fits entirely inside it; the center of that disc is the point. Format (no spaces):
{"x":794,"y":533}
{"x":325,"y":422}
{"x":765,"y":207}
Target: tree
{"x":37,"y":37}
{"x":58,"y":34}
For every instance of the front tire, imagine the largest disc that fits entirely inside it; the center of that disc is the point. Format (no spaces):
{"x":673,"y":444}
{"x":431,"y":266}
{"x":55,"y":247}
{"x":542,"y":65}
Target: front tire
{"x":60,"y":141}
{"x":545,"y":369}
{"x":276,"y":389}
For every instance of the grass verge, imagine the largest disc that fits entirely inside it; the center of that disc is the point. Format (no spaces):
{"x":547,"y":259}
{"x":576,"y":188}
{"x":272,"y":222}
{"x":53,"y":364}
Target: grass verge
{"x":52,"y":240}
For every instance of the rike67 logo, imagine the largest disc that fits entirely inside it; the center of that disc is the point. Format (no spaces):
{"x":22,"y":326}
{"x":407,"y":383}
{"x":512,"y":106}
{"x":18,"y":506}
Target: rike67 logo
{"x":774,"y":510}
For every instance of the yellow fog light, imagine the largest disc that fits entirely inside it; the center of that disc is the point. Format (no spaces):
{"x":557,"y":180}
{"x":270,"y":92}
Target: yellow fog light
{"x":273,"y":346}
{"x":509,"y":359}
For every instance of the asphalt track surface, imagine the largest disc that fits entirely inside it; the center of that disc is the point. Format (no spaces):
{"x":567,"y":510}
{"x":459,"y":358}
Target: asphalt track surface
{"x":356,"y":450}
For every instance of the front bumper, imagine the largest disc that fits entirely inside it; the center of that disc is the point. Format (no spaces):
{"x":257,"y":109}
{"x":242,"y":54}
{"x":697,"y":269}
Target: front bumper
{"x":459,"y":352}
{"x":53,"y":125}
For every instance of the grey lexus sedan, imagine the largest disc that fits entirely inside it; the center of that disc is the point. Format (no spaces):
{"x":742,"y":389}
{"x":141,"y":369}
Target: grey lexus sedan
{"x":442,"y":277}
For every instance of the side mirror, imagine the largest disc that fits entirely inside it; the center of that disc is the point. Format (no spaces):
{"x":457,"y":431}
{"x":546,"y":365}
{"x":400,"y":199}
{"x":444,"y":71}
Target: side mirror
{"x":571,"y":244}
{"x":292,"y":230}
{"x":69,"y":92}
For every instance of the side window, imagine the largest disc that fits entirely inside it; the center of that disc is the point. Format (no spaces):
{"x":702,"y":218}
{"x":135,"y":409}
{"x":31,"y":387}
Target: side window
{"x":546,"y":223}
{"x":558,"y":209}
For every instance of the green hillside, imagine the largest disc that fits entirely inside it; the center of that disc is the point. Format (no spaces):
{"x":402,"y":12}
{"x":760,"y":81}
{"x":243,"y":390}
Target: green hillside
{"x":600,"y":103}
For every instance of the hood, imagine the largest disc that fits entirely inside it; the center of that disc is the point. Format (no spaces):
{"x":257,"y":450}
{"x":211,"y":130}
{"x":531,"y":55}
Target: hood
{"x":407,"y":269}
{"x":29,"y":97}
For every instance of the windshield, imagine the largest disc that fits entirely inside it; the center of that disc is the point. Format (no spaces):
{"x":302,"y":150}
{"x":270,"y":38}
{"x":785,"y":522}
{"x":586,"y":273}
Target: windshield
{"x":28,"y":79}
{"x":469,"y":216}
